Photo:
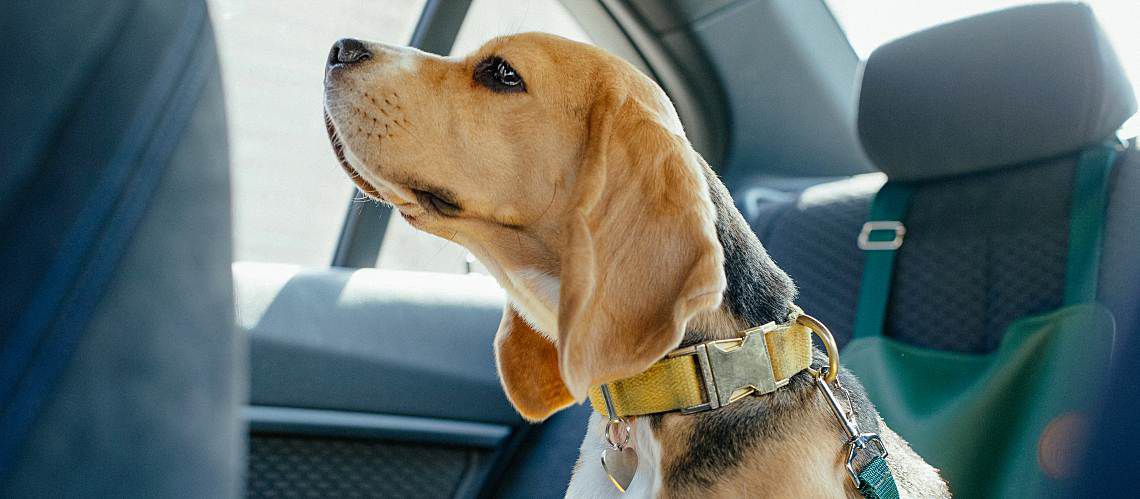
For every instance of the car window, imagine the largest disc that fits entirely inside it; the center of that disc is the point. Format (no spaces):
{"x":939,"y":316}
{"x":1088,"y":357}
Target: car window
{"x":289,"y":193}
{"x":870,"y":23}
{"x":406,"y":248}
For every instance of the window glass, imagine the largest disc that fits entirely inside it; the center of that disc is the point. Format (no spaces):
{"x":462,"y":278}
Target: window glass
{"x":290,"y":195}
{"x":870,"y":23}
{"x":406,"y":248}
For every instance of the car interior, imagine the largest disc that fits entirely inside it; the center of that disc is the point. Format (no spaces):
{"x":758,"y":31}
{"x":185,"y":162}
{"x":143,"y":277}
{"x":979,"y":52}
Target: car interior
{"x":139,"y":357}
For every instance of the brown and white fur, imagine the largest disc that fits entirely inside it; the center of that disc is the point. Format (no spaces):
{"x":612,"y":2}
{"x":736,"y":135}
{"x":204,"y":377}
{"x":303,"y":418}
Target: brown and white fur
{"x":567,"y":173}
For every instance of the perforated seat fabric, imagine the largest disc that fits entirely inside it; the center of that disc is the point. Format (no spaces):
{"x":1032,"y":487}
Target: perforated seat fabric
{"x":982,"y":251}
{"x":295,"y":466}
{"x":812,"y":237}
{"x":985,"y":116}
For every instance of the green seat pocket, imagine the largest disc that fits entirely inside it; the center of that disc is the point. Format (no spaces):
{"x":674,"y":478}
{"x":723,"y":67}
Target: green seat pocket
{"x":1008,"y":423}
{"x":1002,"y":424}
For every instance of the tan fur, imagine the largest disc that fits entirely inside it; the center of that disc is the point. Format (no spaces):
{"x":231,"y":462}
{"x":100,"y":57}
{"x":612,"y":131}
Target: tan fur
{"x":795,"y":464}
{"x":805,"y":457}
{"x":719,"y":324}
{"x":585,"y":179}
{"x":639,"y":197}
{"x":528,"y":367}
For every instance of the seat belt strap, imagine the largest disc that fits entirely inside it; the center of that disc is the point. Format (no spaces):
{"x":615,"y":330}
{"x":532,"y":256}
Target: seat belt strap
{"x":1086,"y":222}
{"x":883,"y":234}
{"x":881,"y":237}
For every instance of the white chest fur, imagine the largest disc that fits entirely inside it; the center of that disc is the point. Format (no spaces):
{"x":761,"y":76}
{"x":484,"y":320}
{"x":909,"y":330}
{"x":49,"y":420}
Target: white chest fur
{"x":590,"y":480}
{"x":535,"y":295}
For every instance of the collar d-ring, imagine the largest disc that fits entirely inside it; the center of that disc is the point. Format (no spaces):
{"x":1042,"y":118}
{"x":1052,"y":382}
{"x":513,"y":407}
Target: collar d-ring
{"x":824,"y":335}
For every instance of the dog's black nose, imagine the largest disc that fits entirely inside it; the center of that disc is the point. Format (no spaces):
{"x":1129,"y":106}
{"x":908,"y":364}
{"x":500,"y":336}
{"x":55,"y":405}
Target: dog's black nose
{"x":348,"y":51}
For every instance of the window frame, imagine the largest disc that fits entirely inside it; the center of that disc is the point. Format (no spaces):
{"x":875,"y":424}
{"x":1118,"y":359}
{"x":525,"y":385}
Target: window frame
{"x":362,"y":233}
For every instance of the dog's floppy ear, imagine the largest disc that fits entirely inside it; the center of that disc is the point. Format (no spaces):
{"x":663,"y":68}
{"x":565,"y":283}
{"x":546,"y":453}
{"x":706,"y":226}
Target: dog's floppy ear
{"x":528,"y":368}
{"x":641,"y":255}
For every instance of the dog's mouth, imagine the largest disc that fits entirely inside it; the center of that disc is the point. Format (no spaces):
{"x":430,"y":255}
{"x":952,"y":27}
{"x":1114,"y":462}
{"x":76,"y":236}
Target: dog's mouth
{"x":338,"y":149}
{"x":364,"y":186}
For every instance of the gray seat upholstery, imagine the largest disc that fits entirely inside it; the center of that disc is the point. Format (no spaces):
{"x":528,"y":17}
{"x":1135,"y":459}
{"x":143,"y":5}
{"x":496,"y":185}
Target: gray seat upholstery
{"x":117,"y":168}
{"x":964,"y":290}
{"x":986,"y":115}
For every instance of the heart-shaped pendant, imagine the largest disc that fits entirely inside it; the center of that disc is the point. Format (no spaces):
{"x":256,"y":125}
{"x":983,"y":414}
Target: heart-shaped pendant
{"x":620,"y":465}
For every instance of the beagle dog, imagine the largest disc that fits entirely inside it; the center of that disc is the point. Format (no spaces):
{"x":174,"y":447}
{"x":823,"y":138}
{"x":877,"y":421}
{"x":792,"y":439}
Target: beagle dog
{"x":567,"y":173}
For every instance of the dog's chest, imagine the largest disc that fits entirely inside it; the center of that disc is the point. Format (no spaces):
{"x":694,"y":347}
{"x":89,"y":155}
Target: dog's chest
{"x":535,"y":295}
{"x":590,"y":479}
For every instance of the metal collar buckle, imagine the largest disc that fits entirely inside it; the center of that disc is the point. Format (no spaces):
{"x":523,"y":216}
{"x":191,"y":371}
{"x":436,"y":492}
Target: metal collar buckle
{"x":733,"y":369}
{"x":866,"y":244}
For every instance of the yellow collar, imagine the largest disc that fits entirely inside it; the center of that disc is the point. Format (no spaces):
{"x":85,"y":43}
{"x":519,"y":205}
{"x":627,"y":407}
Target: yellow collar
{"x":714,"y":374}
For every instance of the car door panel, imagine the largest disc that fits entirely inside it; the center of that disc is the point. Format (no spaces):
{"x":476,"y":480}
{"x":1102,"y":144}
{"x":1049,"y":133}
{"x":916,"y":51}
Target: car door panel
{"x":376,"y":341}
{"x":372,"y":382}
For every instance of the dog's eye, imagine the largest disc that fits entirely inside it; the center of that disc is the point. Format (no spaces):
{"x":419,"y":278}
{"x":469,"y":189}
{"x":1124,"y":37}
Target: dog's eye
{"x":440,"y":205}
{"x":506,"y":75}
{"x":498,"y":75}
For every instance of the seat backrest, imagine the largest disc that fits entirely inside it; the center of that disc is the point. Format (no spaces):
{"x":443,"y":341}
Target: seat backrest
{"x":986,"y":115}
{"x":120,"y":371}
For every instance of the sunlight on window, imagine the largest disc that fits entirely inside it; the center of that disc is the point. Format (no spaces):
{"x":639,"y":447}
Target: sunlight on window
{"x":289,"y":193}
{"x":870,"y":23}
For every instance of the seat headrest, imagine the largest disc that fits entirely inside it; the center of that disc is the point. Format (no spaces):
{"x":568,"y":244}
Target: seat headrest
{"x":992,"y":90}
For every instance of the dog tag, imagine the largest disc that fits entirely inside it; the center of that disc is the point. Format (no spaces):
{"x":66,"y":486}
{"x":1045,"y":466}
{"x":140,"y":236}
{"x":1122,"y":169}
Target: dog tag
{"x":619,"y":460}
{"x":620,"y":465}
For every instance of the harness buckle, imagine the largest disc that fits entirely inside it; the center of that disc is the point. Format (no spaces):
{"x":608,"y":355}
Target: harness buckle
{"x":733,"y":369}
{"x":866,"y":244}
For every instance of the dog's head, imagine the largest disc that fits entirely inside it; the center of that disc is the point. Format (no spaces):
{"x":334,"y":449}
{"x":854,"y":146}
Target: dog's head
{"x":565,"y":171}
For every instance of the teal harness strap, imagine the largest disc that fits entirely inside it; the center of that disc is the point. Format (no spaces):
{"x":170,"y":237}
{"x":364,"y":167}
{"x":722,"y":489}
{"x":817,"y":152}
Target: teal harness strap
{"x":1086,"y":222}
{"x":881,"y":237}
{"x":883,"y":234}
{"x":877,"y":482}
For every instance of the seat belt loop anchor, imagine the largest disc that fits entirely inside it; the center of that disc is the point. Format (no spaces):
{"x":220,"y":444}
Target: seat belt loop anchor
{"x":894,"y":243}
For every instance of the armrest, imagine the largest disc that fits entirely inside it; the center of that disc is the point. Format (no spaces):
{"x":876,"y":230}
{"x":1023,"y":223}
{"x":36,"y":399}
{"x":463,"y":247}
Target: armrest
{"x":374,"y":341}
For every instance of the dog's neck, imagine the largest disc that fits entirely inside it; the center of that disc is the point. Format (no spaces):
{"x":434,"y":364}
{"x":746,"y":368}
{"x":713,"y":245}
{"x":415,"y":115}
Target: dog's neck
{"x":758,"y":292}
